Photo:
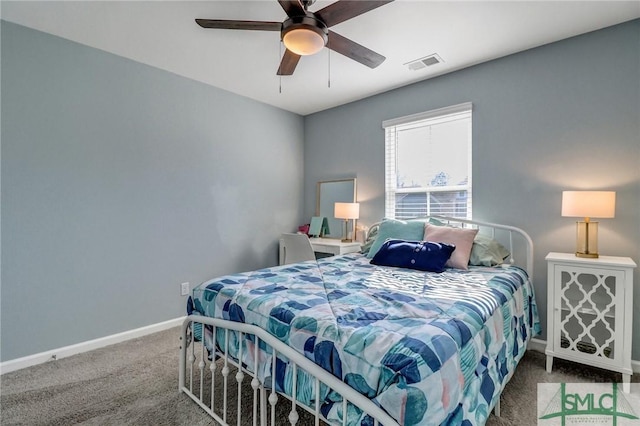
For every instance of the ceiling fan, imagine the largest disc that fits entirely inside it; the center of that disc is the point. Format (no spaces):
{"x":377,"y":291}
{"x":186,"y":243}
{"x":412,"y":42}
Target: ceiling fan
{"x":305,"y":33}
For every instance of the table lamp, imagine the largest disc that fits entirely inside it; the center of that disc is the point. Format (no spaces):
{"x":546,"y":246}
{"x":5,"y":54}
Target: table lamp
{"x":347,"y":211}
{"x":588,"y":204}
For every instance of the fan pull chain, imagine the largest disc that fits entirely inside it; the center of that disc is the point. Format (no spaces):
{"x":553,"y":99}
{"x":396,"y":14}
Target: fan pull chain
{"x":280,"y":75}
{"x":329,"y":65}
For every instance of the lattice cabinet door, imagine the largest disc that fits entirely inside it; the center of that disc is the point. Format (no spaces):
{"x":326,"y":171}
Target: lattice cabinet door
{"x":590,"y":313}
{"x":585,"y":319}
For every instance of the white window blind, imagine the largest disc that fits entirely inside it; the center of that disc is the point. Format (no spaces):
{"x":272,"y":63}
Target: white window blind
{"x":428,"y":164}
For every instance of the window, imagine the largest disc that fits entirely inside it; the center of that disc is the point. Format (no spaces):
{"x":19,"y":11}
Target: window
{"x":428,"y":164}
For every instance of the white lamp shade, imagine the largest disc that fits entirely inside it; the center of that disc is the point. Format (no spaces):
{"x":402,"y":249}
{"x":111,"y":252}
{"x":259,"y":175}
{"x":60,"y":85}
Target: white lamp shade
{"x":347,"y":211}
{"x":589,"y":204}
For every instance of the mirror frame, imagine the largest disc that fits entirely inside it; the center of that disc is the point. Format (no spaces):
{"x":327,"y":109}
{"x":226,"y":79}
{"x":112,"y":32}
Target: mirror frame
{"x":319,"y":194}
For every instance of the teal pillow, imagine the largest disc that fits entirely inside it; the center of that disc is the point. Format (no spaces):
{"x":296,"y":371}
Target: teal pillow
{"x":487,"y":252}
{"x":411,"y":230}
{"x":371,"y":238}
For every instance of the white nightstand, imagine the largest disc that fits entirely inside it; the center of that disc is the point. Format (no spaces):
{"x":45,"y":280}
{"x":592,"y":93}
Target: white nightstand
{"x":590,"y":311}
{"x":335,"y":247}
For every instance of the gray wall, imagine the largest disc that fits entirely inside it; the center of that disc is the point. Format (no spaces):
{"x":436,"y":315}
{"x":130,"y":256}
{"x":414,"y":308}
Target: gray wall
{"x":119,"y":182}
{"x":562,"y":116}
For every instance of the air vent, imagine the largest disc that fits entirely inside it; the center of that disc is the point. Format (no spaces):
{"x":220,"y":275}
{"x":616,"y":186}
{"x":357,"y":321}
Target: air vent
{"x":425,"y":62}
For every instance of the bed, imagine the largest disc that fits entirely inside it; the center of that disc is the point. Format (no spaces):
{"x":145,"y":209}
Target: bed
{"x":357,"y":343}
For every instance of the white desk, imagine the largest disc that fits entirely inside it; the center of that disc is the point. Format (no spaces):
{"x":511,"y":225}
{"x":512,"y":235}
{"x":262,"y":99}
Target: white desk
{"x":334,"y":247}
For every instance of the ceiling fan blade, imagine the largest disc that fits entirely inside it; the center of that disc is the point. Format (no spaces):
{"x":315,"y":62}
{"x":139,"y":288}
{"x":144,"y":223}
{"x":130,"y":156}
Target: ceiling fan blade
{"x":239,"y":25}
{"x":292,"y":7}
{"x":353,"y":50}
{"x":342,"y":10}
{"x":288,"y":63}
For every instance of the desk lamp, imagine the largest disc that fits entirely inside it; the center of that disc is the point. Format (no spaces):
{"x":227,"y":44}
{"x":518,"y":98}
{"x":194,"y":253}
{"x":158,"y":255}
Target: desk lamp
{"x":347,"y":211}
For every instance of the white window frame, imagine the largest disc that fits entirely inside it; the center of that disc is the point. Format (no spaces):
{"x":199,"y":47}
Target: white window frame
{"x":422,"y":119}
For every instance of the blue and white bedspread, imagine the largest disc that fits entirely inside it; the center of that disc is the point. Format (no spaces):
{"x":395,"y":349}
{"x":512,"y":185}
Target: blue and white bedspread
{"x":428,"y":348}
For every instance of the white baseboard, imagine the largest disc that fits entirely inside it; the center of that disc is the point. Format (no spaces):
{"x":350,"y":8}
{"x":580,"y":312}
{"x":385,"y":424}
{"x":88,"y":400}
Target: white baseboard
{"x":66,"y":351}
{"x":539,"y":345}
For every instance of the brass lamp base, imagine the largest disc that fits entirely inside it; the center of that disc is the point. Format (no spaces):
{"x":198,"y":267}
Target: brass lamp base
{"x":589,"y":255}
{"x":587,"y":239}
{"x":346,"y":238}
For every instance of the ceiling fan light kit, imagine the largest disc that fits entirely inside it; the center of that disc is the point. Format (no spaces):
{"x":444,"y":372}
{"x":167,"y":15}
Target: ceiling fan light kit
{"x":306,"y":33}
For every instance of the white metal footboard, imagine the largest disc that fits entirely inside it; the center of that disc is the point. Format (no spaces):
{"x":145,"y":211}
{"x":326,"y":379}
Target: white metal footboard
{"x":199,"y":377}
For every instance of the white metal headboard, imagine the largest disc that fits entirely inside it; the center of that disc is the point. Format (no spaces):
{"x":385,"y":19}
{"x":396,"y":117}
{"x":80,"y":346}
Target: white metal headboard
{"x":506,"y":234}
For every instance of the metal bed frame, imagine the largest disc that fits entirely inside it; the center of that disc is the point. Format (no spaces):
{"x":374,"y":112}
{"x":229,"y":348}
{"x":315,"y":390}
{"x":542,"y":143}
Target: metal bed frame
{"x":199,"y":371}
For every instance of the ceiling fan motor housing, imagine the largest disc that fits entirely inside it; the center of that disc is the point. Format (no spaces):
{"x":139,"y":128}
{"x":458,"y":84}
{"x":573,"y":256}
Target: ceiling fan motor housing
{"x":304,"y":35}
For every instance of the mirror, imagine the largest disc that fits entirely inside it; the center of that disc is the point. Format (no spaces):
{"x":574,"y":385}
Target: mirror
{"x":328,"y":193}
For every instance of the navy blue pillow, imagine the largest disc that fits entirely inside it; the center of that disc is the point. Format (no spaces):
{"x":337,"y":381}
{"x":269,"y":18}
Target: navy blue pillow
{"x":420,"y":255}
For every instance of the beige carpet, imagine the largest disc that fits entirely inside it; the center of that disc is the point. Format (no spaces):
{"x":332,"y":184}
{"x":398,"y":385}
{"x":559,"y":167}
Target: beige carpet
{"x":136,"y":383}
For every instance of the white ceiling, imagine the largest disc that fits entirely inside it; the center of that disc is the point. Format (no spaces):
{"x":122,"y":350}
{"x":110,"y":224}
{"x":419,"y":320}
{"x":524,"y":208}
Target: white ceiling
{"x":463,"y":33}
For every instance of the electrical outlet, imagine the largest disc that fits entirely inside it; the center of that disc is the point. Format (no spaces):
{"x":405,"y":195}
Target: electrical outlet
{"x":184,"y":289}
